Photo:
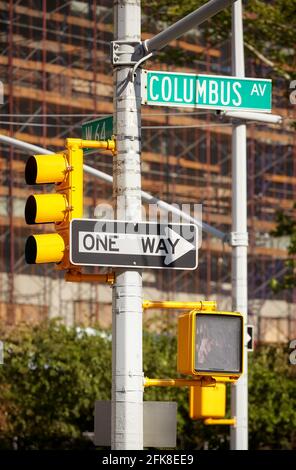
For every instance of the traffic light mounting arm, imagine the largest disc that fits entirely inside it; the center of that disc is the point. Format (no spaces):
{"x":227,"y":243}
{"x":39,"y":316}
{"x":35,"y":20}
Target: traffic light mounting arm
{"x":205,"y":380}
{"x":99,"y":144}
{"x":201,"y":305}
{"x":215,"y":421}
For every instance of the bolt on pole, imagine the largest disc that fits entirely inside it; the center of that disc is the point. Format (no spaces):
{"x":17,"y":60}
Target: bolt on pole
{"x":239,"y":240}
{"x":127,"y":367}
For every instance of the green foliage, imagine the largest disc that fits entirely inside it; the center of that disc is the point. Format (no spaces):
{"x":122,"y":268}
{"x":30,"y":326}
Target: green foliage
{"x":52,"y":376}
{"x":286,"y":226}
{"x":268,"y":27}
{"x":49,"y":382}
{"x":272,"y":399}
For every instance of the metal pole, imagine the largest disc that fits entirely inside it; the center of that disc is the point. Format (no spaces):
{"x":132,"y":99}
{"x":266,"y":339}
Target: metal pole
{"x":127,"y":367}
{"x":259,"y":117}
{"x":184,"y":25}
{"x":239,"y":240}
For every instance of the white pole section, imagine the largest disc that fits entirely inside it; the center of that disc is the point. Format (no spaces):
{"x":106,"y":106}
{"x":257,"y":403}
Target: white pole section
{"x":127,"y":367}
{"x":239,"y":239}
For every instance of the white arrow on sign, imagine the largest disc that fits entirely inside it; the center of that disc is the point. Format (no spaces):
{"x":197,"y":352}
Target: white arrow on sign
{"x":171,"y":245}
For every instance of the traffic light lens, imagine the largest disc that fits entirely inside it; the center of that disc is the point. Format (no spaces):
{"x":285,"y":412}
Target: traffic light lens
{"x":31,"y":250}
{"x":218,"y":341}
{"x":31,"y":171}
{"x":31,"y":210}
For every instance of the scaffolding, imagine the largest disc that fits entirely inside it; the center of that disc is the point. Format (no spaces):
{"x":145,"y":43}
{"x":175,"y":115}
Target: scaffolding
{"x":57,"y":74}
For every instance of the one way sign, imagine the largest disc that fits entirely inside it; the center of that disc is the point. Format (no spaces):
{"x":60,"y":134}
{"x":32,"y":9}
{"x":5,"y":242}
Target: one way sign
{"x":95,"y":242}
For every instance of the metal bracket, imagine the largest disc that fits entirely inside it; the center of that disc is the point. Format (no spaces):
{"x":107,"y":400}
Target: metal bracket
{"x":230,"y":421}
{"x":239,"y":117}
{"x":232,"y":121}
{"x":73,"y":275}
{"x":238,"y":238}
{"x":121,"y":49}
{"x":140,"y":62}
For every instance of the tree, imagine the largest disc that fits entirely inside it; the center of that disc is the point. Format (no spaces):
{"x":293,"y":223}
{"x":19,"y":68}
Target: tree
{"x":286,"y":226}
{"x":49,"y":382}
{"x":52,"y":376}
{"x":272,"y":399}
{"x":275,"y":20}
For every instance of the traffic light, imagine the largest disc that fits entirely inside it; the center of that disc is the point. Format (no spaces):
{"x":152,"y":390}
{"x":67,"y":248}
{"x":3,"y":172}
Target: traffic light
{"x":210,"y":344}
{"x":65,"y":170}
{"x":207,"y":401}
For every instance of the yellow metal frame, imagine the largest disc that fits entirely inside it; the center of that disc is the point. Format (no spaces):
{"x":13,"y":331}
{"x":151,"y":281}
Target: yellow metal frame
{"x":208,"y":380}
{"x":202,"y":305}
{"x":77,"y":276}
{"x":178,"y":382}
{"x":72,"y":187}
{"x":186,"y":344}
{"x":214,"y":421}
{"x":98,"y":144}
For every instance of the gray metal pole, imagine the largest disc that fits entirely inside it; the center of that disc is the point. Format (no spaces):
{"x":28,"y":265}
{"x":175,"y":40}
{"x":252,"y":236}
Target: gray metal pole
{"x":258,"y":117}
{"x":239,"y":239}
{"x":184,"y":25}
{"x":127,"y":367}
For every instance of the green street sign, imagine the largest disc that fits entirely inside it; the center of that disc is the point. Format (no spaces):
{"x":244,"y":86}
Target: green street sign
{"x":98,"y":129}
{"x":206,"y":91}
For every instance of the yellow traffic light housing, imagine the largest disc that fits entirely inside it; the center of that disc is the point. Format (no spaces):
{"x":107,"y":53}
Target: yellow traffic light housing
{"x":210,"y":344}
{"x":207,"y":401}
{"x":41,"y":169}
{"x":65,"y":170}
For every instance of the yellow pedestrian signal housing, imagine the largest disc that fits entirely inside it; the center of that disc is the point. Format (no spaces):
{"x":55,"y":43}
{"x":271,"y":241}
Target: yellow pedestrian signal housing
{"x":207,"y":401}
{"x":65,"y":170}
{"x":210,"y":344}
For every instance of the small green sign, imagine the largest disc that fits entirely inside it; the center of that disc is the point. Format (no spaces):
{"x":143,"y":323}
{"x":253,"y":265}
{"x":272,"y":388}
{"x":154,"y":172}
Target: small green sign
{"x":98,"y":129}
{"x":206,"y":91}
